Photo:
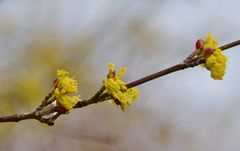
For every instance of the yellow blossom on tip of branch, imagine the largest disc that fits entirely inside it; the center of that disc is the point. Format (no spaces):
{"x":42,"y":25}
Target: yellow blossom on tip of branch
{"x":117,"y":89}
{"x":216,"y":63}
{"x":65,"y":86}
{"x":215,"y":60}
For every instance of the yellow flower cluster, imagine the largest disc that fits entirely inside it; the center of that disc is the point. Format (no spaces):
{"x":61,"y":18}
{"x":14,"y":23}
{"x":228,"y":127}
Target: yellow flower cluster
{"x":210,"y":42}
{"x":65,"y":86}
{"x":216,"y":61}
{"x":117,"y":89}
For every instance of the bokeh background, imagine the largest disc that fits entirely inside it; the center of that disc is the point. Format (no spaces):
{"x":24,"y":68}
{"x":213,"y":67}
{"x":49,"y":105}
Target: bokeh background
{"x":184,"y":111}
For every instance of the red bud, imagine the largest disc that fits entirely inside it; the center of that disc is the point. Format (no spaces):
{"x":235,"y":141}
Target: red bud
{"x":208,"y":52}
{"x":199,"y":44}
{"x":61,"y":108}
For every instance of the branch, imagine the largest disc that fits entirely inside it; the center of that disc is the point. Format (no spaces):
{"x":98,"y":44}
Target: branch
{"x":37,"y":115}
{"x":194,"y":62}
{"x":181,"y":66}
{"x":47,"y":113}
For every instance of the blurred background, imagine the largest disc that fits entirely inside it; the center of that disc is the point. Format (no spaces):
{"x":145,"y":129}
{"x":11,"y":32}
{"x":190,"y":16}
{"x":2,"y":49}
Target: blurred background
{"x":184,"y":111}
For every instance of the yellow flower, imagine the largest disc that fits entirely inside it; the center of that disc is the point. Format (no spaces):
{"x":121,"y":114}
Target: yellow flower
{"x":62,"y":73}
{"x":111,"y":67}
{"x":210,"y":42}
{"x":215,"y":60}
{"x":68,"y":102}
{"x":116,"y":88}
{"x":65,"y":86}
{"x":216,"y":63}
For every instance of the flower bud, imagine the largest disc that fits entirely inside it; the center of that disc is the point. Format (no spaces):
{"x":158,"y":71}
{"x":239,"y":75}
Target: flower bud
{"x":62,"y":109}
{"x":208,"y":52}
{"x":199,"y":44}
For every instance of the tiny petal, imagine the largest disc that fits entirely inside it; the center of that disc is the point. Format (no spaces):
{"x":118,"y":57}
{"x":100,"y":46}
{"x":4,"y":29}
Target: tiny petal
{"x":62,"y":73}
{"x":122,"y":72}
{"x":111,"y":67}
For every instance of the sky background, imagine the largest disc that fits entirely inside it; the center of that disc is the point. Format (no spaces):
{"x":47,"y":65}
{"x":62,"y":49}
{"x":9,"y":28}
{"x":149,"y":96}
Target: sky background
{"x":186,"y":110}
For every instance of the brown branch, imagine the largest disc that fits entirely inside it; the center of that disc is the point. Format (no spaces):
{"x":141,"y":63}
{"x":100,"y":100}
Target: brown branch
{"x":17,"y":117}
{"x":181,"y":66}
{"x":45,"y":113}
{"x":169,"y":70}
{"x":45,"y":101}
{"x":38,"y":115}
{"x":230,"y":45}
{"x":92,"y":100}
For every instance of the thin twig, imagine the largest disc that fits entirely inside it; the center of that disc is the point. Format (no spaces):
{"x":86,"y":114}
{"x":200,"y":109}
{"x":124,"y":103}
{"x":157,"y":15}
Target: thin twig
{"x":38,"y":115}
{"x":45,"y":101}
{"x":230,"y":45}
{"x":178,"y":67}
{"x":93,"y":99}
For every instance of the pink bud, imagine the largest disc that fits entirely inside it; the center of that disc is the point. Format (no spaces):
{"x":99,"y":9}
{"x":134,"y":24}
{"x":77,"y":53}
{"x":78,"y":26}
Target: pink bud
{"x":208,"y":52}
{"x":199,"y":44}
